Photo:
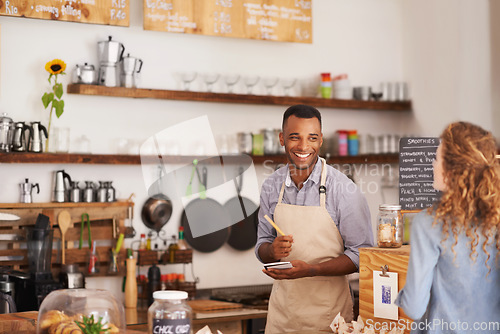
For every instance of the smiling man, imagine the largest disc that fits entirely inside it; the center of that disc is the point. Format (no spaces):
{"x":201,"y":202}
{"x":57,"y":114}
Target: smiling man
{"x":326,"y":220}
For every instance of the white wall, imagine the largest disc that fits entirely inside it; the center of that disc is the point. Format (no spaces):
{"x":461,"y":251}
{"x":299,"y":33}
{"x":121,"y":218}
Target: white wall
{"x":372,"y":41}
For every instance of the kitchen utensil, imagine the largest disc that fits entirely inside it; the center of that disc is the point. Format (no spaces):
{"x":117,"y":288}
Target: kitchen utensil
{"x":11,"y":258}
{"x":189,"y":189}
{"x":71,"y":277}
{"x":205,"y":212}
{"x":156,"y":211}
{"x":85,"y":219}
{"x":130,"y":70}
{"x":109,"y":75}
{"x":8,"y":216}
{"x":88,"y":192}
{"x":26,"y":189}
{"x":11,"y":237}
{"x":64,"y":221}
{"x":39,"y":243}
{"x":243,"y":234}
{"x":35,"y":139}
{"x":60,"y":187}
{"x":129,"y":228}
{"x":75,"y":193}
{"x":202,"y":182}
{"x":102,"y":192}
{"x":7,"y":295}
{"x":6,"y":130}
{"x":110,"y":52}
{"x":274,"y":225}
{"x":19,"y":142}
{"x":85,"y":74}
{"x":110,"y":192}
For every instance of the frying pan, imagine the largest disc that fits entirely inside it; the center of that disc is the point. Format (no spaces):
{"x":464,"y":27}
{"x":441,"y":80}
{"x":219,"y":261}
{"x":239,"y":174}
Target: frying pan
{"x":205,"y":212}
{"x":156,"y":211}
{"x":243,"y":235}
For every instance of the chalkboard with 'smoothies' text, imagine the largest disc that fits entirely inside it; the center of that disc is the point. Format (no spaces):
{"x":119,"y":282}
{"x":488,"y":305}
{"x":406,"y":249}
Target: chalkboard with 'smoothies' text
{"x":416,"y":173}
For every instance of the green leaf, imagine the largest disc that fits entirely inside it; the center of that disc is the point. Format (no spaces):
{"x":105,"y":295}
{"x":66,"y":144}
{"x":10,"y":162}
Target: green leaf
{"x":58,"y":89}
{"x":47,"y":98}
{"x":59,"y":107}
{"x":50,"y":77}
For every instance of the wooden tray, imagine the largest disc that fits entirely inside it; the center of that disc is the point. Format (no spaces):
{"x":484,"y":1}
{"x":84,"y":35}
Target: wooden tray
{"x":212,"y":305}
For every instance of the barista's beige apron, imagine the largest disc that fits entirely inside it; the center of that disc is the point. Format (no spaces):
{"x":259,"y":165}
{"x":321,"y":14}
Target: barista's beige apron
{"x":309,"y":303}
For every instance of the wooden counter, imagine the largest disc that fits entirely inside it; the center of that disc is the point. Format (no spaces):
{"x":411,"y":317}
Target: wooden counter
{"x":371,"y":259}
{"x":227,"y":321}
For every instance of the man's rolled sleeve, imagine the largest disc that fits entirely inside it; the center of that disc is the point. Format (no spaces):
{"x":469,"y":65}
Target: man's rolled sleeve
{"x":265,"y":232}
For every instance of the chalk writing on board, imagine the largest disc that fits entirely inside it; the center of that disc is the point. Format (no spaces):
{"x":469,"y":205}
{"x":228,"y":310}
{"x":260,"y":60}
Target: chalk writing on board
{"x":112,"y":12}
{"x":416,"y":173}
{"x":276,"y":20}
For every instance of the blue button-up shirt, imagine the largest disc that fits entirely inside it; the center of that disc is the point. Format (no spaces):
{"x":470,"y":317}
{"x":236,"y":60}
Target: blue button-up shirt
{"x":449,"y":292}
{"x":344,"y":202}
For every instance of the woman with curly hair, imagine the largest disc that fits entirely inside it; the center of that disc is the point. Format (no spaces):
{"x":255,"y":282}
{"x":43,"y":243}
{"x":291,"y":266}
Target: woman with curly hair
{"x":453,"y":278}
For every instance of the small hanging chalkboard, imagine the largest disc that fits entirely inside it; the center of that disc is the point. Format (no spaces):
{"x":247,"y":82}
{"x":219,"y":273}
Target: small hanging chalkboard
{"x":416,"y":173}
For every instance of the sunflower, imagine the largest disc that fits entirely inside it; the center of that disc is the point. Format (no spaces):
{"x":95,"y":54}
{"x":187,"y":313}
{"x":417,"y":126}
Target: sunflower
{"x":55,"y":66}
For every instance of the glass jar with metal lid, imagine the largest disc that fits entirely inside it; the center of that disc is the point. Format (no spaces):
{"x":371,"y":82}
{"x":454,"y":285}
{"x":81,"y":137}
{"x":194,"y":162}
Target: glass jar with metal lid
{"x":170,"y":313}
{"x":389,"y":226}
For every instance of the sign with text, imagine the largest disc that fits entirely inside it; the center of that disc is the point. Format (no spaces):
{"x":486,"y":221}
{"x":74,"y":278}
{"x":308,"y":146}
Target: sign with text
{"x":109,"y":12}
{"x":416,"y":173}
{"x":274,"y":20}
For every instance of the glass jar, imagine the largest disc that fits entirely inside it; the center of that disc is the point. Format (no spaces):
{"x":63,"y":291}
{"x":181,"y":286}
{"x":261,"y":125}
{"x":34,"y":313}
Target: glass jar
{"x":170,"y":313}
{"x":389,"y":226}
{"x":63,"y":310}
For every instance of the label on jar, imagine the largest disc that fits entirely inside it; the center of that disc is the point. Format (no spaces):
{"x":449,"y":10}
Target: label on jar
{"x":171,"y":326}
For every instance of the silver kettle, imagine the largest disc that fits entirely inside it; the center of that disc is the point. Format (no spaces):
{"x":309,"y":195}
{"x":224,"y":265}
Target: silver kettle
{"x":19,"y":142}
{"x":35,"y":140}
{"x":6,"y":125}
{"x":75,"y":192}
{"x":60,"y":187}
{"x":85,"y":74}
{"x":26,"y":189}
{"x":7,"y":295}
{"x":110,"y":52}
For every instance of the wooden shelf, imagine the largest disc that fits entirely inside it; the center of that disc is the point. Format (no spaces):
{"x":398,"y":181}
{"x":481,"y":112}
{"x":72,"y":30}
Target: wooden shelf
{"x":82,"y":89}
{"x":111,"y":159}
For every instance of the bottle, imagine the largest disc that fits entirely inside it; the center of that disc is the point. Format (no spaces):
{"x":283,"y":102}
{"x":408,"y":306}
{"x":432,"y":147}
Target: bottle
{"x":342,"y":140}
{"x":389,"y":226}
{"x":148,"y":242}
{"x":170,"y":313}
{"x":181,"y":244}
{"x":131,"y":281}
{"x":154,"y":282}
{"x":326,"y":86}
{"x":352,"y":142}
{"x":171,"y":250}
{"x":142,"y":244}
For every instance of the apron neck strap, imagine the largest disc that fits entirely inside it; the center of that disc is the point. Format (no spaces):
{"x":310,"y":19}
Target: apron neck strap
{"x":322,"y":188}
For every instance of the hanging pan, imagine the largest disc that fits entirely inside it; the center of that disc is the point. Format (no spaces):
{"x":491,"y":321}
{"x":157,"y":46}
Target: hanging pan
{"x":243,"y":235}
{"x":205,"y":211}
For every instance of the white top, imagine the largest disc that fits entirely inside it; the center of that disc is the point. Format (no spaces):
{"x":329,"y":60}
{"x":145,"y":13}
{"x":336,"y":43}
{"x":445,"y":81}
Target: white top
{"x":170,"y":294}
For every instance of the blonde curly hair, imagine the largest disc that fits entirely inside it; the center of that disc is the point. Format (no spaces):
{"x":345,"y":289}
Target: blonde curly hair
{"x":471,"y":202}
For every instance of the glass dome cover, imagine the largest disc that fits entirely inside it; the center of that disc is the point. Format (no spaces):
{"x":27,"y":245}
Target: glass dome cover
{"x":74,"y":309}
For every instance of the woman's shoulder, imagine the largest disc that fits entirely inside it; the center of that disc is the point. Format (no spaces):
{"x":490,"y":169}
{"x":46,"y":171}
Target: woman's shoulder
{"x":425,"y":222}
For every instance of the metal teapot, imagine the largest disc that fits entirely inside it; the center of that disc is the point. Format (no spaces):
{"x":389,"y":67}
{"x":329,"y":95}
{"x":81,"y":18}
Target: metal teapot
{"x":5,"y":133}
{"x":35,"y":140}
{"x":60,"y":187}
{"x":110,"y":52}
{"x":19,"y":142}
{"x":85,"y":74}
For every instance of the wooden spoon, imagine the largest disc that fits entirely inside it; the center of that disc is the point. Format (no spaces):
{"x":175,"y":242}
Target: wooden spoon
{"x":64,"y":220}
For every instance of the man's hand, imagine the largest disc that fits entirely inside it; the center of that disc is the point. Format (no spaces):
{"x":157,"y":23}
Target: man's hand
{"x":300,"y":269}
{"x":281,"y":247}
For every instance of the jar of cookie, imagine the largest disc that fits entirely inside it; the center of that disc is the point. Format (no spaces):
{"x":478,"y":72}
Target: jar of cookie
{"x":389,"y":226}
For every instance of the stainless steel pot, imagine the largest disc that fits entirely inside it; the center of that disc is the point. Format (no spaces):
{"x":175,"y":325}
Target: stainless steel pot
{"x":85,"y":74}
{"x":6,"y":125}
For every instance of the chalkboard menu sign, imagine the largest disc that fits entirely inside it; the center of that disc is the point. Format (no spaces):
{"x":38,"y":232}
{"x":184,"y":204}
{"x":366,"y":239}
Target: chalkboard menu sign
{"x":416,"y":173}
{"x":274,"y":20}
{"x":110,"y":12}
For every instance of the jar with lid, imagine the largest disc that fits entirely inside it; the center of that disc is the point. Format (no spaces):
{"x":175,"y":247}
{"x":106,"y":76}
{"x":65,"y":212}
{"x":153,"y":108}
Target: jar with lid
{"x":170,"y":313}
{"x":389,"y":226}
